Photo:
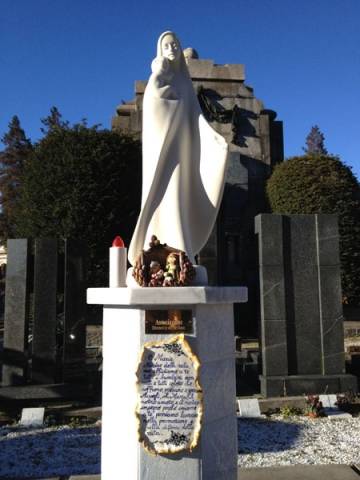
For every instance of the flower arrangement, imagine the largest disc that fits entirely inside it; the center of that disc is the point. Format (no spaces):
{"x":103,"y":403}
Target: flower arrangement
{"x":163,"y":266}
{"x":315,"y":407}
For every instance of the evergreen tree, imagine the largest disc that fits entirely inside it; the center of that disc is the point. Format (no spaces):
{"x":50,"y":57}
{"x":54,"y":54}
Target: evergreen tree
{"x":12,"y":160}
{"x":82,"y":183}
{"x":315,"y":142}
{"x":53,"y":121}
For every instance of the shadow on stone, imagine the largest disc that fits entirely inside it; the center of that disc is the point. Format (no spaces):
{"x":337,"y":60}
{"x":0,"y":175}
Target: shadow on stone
{"x":69,"y":451}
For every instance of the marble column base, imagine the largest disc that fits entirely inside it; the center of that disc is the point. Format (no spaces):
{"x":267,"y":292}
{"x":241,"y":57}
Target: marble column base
{"x":212,"y":340}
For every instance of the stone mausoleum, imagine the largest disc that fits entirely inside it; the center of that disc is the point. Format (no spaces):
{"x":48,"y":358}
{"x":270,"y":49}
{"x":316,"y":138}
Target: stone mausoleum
{"x":255,"y":139}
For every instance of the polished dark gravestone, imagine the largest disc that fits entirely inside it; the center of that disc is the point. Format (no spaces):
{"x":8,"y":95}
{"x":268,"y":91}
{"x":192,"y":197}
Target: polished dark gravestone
{"x":302,"y":337}
{"x":16,"y":319}
{"x":45,"y":312}
{"x":44,"y":329}
{"x":73,"y":357}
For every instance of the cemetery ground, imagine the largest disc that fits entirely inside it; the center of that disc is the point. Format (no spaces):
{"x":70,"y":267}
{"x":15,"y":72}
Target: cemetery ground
{"x":69,"y":442}
{"x":283,"y":443}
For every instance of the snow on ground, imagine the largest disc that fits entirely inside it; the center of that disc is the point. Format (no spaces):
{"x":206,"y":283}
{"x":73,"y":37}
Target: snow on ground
{"x":45,"y":452}
{"x":298,"y":440}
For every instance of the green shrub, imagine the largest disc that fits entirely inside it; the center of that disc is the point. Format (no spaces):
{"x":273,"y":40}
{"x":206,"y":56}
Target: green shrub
{"x":82,"y":183}
{"x":289,"y":411}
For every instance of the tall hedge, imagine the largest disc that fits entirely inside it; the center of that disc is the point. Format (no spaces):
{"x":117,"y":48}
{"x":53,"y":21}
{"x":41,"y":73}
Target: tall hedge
{"x":12,"y":160}
{"x":82,"y":183}
{"x":323,"y":184}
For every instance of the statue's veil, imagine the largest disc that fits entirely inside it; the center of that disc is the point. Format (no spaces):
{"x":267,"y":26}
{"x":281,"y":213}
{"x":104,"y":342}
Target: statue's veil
{"x":184,"y":163}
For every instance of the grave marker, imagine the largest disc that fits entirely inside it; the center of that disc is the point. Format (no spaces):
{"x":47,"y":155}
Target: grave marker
{"x":330,"y":408}
{"x":44,"y":299}
{"x":32,"y":417}
{"x":16,"y":318}
{"x":249,"y":407}
{"x":302,"y":336}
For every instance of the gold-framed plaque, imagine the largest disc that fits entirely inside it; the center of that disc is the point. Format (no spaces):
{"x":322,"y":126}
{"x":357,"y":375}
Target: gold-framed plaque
{"x":170,"y":408}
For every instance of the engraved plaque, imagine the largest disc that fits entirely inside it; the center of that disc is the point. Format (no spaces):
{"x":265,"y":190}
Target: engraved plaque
{"x":168,"y":321}
{"x":169,"y":409}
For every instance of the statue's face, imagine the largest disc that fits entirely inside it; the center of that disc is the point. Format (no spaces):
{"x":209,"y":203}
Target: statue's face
{"x":170,"y":48}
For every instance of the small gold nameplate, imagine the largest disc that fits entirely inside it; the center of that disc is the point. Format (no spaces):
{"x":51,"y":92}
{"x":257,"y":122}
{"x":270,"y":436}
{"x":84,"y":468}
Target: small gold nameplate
{"x":168,"y":321}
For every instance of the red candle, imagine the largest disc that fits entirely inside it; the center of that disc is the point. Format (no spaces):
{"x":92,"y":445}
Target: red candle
{"x":117,"y":263}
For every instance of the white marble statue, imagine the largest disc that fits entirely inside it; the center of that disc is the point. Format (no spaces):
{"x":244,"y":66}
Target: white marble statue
{"x":184,"y":159}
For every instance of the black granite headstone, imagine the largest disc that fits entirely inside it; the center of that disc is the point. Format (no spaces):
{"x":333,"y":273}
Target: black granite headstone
{"x":15,"y":358}
{"x":74,"y":310}
{"x":302,"y":338}
{"x":44,"y":298}
{"x":54,"y":277}
{"x":273,"y":299}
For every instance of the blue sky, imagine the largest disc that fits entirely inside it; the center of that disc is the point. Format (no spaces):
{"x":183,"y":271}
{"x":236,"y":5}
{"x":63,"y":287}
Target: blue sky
{"x":301,"y":57}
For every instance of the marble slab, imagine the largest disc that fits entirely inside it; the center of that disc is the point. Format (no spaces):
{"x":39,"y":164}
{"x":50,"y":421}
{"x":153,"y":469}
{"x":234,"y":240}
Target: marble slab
{"x":32,"y":417}
{"x":331,"y":409}
{"x":166,"y":295}
{"x":249,"y":407}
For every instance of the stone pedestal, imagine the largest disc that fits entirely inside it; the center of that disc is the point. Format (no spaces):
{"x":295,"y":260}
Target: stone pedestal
{"x":211,"y":339}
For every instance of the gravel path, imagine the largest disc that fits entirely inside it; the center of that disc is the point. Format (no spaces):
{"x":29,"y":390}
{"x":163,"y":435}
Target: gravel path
{"x":298,"y":440}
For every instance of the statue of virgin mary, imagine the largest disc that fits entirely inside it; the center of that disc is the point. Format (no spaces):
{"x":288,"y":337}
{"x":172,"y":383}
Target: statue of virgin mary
{"x":184,"y":159}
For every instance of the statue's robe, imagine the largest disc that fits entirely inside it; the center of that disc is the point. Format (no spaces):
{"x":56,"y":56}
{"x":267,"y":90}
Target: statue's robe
{"x":184,"y":162}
